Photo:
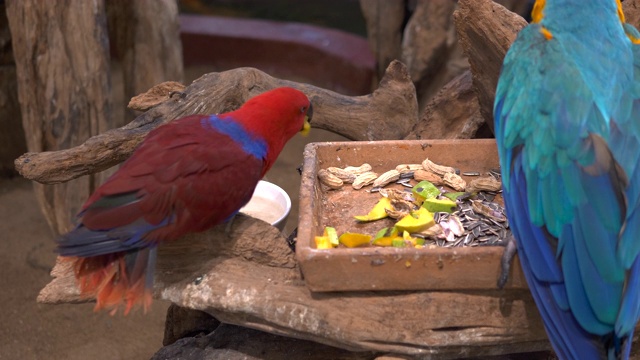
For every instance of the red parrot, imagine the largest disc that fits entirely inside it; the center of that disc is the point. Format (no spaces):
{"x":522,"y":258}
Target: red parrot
{"x":186,"y":176}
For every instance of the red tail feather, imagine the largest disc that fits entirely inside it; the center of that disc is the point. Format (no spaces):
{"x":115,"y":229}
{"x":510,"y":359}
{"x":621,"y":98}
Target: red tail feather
{"x":106,"y":279}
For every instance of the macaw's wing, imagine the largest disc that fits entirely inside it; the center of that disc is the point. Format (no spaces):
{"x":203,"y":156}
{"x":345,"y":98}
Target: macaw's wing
{"x":185,"y":177}
{"x":625,"y":145}
{"x":566,"y":185}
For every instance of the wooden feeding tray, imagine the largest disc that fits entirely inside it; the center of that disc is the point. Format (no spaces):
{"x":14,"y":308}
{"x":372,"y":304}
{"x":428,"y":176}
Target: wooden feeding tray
{"x":388,"y":268}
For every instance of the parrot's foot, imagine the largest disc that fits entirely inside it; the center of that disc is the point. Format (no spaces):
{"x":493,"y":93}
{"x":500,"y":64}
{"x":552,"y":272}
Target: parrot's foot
{"x":179,"y":93}
{"x":291,"y":239}
{"x":229,"y":225}
{"x":507,"y":258}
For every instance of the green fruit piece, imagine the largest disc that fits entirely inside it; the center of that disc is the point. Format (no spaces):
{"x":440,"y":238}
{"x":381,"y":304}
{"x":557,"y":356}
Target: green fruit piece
{"x":425,"y":190}
{"x":381,"y":233}
{"x":332,"y":234}
{"x":453,"y":195}
{"x":398,"y":242}
{"x":439,"y":205}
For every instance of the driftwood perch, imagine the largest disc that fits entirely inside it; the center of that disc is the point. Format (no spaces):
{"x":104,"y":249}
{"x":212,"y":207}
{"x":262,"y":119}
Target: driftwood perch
{"x":390,"y":112}
{"x":251,"y":279}
{"x":453,"y":113}
{"x":486,"y":30}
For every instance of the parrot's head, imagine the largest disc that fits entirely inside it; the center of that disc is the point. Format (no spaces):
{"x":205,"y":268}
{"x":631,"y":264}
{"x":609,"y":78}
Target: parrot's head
{"x":609,"y":7}
{"x":275,"y":116}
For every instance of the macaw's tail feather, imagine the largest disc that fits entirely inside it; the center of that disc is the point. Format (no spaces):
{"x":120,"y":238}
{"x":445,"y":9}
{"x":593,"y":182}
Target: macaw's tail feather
{"x":617,"y":348}
{"x":124,"y":278}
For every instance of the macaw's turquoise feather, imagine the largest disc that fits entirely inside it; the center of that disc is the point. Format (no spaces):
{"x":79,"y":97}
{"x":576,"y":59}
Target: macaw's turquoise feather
{"x":567,"y":116}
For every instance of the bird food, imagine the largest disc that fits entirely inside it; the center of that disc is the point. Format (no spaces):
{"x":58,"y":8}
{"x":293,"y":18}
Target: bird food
{"x":442,"y":251}
{"x":427,"y":216}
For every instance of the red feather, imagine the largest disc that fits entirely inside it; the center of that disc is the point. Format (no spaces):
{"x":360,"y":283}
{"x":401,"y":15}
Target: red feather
{"x":184,"y":177}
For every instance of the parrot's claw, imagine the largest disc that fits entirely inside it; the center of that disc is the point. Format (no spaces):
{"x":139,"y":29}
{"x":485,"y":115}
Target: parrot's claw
{"x":291,"y":239}
{"x":182,"y":94}
{"x":229,"y":225}
{"x":510,"y":251}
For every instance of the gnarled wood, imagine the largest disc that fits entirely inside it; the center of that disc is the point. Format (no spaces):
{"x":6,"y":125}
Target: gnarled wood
{"x":251,"y":279}
{"x":384,"y":29}
{"x":486,"y":30}
{"x":146,"y":35}
{"x":62,"y":65}
{"x":390,"y":112}
{"x":453,"y":113}
{"x":12,"y":139}
{"x":429,"y":47}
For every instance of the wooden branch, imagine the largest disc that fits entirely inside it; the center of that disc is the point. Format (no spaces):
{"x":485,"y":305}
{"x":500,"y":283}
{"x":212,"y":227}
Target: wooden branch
{"x":390,"y":112}
{"x":486,"y":30}
{"x":251,"y":279}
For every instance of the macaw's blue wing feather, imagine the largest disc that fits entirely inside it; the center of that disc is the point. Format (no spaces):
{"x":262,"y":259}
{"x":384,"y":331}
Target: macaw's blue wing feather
{"x":568,"y":134}
{"x":571,"y":341}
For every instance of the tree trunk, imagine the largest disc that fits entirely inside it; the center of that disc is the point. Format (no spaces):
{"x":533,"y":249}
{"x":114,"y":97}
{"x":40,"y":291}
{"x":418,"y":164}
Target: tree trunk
{"x":146,"y":38}
{"x":12,"y":142}
{"x":62,"y":64}
{"x":385,"y":21}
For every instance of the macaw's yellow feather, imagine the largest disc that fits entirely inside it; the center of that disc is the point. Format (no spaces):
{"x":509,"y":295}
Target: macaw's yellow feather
{"x":537,"y":12}
{"x":620,"y":12}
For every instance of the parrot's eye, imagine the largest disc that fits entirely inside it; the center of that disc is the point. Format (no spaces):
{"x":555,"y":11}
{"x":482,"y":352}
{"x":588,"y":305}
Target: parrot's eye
{"x":303,"y":109}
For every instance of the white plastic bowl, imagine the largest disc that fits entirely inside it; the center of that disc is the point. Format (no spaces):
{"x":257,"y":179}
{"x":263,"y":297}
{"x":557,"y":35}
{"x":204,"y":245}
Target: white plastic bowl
{"x":269,"y":203}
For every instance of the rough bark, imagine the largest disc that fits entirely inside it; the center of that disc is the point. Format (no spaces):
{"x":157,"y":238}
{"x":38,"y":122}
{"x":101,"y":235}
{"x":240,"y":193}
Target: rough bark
{"x":390,"y":112}
{"x":146,"y":36}
{"x":62,"y":63}
{"x":12,"y":140}
{"x":486,"y":30}
{"x":385,"y":20}
{"x":250,"y":278}
{"x":454,"y":113}
{"x":631,"y":10}
{"x":428,"y":38}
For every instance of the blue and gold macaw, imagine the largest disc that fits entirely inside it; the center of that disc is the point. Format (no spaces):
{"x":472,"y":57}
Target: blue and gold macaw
{"x":567,"y":125}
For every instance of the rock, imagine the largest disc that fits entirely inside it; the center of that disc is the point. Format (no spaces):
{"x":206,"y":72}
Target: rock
{"x":230,"y":342}
{"x":184,"y":322}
